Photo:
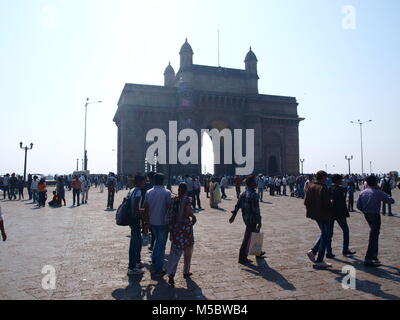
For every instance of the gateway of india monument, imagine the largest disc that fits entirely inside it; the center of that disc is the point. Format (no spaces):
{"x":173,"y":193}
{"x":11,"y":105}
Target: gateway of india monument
{"x":205,"y":97}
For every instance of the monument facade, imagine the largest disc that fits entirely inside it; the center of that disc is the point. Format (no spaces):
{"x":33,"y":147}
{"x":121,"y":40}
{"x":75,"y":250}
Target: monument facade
{"x":205,"y":97}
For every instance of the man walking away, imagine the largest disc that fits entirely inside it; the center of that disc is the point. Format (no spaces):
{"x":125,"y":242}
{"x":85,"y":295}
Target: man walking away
{"x":260,"y":186}
{"x":369,"y":203}
{"x":224,"y":185}
{"x":249,"y":203}
{"x":318,"y":209}
{"x":339,"y":214}
{"x":111,"y":187}
{"x":157,"y":202}
{"x":351,"y":188}
{"x":196,"y":193}
{"x":135,"y":247}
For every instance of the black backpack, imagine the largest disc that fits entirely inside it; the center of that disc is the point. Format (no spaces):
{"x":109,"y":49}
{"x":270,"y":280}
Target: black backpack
{"x":124,"y":215}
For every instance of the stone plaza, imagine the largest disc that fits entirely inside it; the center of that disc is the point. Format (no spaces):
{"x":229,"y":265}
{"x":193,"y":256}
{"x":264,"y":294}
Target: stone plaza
{"x":89,"y":253}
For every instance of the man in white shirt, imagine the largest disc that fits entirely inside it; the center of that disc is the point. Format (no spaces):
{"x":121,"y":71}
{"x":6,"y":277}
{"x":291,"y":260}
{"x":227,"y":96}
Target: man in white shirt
{"x":34,"y":189}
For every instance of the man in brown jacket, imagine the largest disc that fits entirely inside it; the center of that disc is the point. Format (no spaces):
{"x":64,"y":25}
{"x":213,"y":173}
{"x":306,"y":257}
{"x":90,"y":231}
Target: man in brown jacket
{"x":318,"y":208}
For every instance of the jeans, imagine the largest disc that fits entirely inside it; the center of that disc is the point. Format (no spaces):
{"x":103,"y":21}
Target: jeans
{"x":284,"y":190}
{"x":374,"y":222}
{"x":75,"y":194}
{"x":324,"y":240}
{"x":135,"y":246}
{"x":260,"y":194}
{"x":342,"y":222}
{"x":244,"y":249}
{"x":174,"y":257}
{"x":161,"y":237}
{"x":34,"y":195}
{"x":42,"y":198}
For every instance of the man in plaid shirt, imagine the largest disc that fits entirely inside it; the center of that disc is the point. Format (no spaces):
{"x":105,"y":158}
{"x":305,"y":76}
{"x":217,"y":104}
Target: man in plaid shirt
{"x":249,"y":203}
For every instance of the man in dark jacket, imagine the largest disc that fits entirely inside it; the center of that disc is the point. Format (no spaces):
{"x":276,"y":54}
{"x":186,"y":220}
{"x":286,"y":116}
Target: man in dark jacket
{"x":340,"y":214}
{"x":317,"y":203}
{"x":249,"y":202}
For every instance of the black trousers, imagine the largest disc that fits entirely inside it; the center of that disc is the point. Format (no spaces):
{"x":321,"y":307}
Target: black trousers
{"x":238,"y":191}
{"x":75,"y":195}
{"x":244,"y":249}
{"x":20,"y":193}
{"x":11,"y":194}
{"x":374,"y":222}
{"x":351,"y":202}
{"x":196,"y":198}
{"x":223,"y":193}
{"x":110,"y":199}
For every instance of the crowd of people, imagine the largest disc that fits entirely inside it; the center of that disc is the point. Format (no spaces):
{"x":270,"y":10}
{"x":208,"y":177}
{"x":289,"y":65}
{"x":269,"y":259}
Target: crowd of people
{"x":162,"y":214}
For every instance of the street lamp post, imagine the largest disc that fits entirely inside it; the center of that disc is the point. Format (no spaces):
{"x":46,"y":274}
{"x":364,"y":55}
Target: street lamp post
{"x":77,"y":164}
{"x":360,"y":123}
{"x":370,"y":167}
{"x":26,"y":156}
{"x":85,"y":159}
{"x":302,"y":162}
{"x":349,"y":159}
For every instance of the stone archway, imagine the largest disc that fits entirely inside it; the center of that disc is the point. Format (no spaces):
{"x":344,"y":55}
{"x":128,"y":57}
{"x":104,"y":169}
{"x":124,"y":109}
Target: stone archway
{"x":273,"y":167}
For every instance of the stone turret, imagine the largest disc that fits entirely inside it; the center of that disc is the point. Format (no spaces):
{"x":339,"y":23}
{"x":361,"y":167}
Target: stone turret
{"x":169,"y":76}
{"x":251,"y":71}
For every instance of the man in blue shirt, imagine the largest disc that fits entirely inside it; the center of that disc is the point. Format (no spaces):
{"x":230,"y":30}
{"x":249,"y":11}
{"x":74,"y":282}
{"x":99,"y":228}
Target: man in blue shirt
{"x":369,"y":203}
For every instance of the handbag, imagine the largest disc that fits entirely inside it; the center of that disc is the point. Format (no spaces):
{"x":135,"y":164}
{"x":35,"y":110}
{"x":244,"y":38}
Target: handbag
{"x":256,"y":243}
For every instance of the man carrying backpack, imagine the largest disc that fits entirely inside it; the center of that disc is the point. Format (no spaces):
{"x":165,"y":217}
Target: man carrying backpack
{"x":136,"y":201}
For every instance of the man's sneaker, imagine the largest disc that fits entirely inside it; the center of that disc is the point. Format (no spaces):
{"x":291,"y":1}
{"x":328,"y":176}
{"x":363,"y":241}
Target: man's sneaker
{"x":322,"y":265}
{"x":311,"y":256}
{"x":135,"y":272}
{"x":377,"y":261}
{"x":140,"y":265}
{"x":330,"y":255}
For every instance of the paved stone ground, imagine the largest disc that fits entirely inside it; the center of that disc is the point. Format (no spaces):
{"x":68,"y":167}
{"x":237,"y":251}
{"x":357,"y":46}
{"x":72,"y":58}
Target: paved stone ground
{"x":90,"y":256}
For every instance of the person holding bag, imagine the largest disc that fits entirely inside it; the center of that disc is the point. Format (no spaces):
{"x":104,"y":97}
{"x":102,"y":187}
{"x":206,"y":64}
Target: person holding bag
{"x":250,"y":205}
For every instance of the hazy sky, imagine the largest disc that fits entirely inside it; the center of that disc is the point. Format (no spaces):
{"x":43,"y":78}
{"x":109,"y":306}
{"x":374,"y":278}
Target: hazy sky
{"x":55,"y":54}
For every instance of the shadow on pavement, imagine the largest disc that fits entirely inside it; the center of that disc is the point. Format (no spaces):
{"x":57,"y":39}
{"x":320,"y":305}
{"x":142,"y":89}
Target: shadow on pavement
{"x":159,"y":291}
{"x":264,"y":270}
{"x":367,"y":286}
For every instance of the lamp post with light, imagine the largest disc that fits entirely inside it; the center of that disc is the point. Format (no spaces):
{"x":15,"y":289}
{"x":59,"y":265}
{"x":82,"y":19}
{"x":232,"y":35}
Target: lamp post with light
{"x":26,"y":155}
{"x":85,"y":159}
{"x":360,"y":123}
